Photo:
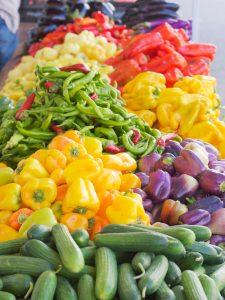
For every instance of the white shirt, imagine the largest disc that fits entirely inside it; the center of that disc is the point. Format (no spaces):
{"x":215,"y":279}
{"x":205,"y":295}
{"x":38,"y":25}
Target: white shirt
{"x":9,"y":13}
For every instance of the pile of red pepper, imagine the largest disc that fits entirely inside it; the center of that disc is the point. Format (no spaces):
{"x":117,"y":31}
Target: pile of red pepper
{"x":164,"y":50}
{"x":99,"y":24}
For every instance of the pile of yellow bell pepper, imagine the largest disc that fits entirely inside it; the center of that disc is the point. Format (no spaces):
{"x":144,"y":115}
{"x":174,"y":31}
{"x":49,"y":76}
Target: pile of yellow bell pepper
{"x":191,"y":107}
{"x":71,"y":182}
{"x":81,"y":48}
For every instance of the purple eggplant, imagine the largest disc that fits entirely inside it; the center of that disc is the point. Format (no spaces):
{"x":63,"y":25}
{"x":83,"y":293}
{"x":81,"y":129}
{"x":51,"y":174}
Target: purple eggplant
{"x":217,"y":224}
{"x":188,"y":141}
{"x":147,"y":163}
{"x":147,"y":204}
{"x":173,"y":147}
{"x":212,"y":182}
{"x":159,"y":186}
{"x":142,"y":193}
{"x":217,"y":239}
{"x":196,"y":217}
{"x":210,"y":203}
{"x":143,"y":177}
{"x":189,"y":163}
{"x":212,"y":157}
{"x":218,"y":165}
{"x":183,"y":186}
{"x":165,"y":163}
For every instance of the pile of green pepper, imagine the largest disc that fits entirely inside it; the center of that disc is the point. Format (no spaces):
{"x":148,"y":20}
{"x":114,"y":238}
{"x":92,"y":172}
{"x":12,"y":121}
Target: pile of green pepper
{"x":73,"y":98}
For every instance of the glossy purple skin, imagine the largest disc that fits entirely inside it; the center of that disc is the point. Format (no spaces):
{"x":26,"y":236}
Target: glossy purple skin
{"x":156,"y":211}
{"x":143,"y":177}
{"x":218,"y":165}
{"x":159,"y":186}
{"x":210,"y":203}
{"x":212,"y":182}
{"x":165,"y":163}
{"x":147,"y":204}
{"x":212,"y":157}
{"x":142,"y":193}
{"x":216,"y":239}
{"x":187,"y":141}
{"x":173,"y":147}
{"x":196,"y":217}
{"x":183,"y":186}
{"x":211,"y":149}
{"x":147,"y":163}
{"x":189,"y":163}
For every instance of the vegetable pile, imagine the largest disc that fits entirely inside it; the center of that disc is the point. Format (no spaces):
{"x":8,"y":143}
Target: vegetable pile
{"x":125,"y":262}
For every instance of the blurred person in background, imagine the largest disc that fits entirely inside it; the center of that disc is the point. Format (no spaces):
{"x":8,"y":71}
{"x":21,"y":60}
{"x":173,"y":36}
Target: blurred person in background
{"x":9,"y":24}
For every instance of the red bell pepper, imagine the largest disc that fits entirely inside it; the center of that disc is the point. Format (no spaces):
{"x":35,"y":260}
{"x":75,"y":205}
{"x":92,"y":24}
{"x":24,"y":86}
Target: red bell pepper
{"x":193,"y":49}
{"x":141,"y":58}
{"x":164,"y":49}
{"x":172,"y":76}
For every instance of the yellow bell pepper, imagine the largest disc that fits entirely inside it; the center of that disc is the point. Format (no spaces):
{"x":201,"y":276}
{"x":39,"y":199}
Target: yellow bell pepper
{"x":126,"y":210}
{"x":6,"y":175}
{"x":147,"y":115}
{"x":54,"y":160}
{"x":7,"y":233}
{"x":29,"y":168}
{"x":107,"y":180}
{"x":164,"y":112}
{"x":129,"y":164}
{"x":92,"y":145}
{"x":82,"y":198}
{"x":57,"y":209}
{"x":74,"y":221}
{"x":41,"y":155}
{"x":74,"y":152}
{"x":58,"y":176}
{"x":5,"y":216}
{"x":129,"y":181}
{"x":38,"y":193}
{"x":43,"y":216}
{"x":10,"y":197}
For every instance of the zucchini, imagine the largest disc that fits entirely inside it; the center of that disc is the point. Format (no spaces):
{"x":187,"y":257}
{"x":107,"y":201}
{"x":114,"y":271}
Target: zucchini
{"x":69,"y":252}
{"x":86,"y":288}
{"x":6,"y":296}
{"x":17,"y":284}
{"x":179,"y":292}
{"x":164,"y":292}
{"x":141,"y":262}
{"x":64,"y":290}
{"x":127,"y":286}
{"x":191,"y":261}
{"x":89,"y":254}
{"x":173,"y":276}
{"x":219,"y":277}
{"x":45,"y":286}
{"x":23,"y":265}
{"x":209,"y":286}
{"x":202,"y":233}
{"x":39,"y":232}
{"x":154,"y":276}
{"x":12,"y":246}
{"x":132,"y":242}
{"x":106,"y":274}
{"x":81,"y":237}
{"x":192,"y":286}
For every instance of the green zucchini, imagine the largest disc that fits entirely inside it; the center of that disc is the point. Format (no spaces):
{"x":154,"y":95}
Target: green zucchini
{"x":173,"y":276}
{"x":191,"y":261}
{"x":12,"y":246}
{"x":179,"y":292}
{"x":86,"y":288}
{"x":89,"y":254}
{"x":69,"y":252}
{"x":164,"y":292}
{"x":127,"y":286}
{"x":17,"y":284}
{"x":106,"y":274}
{"x":192,"y":286}
{"x":154,"y":276}
{"x":45,"y":286}
{"x":64,"y":290}
{"x":219,"y":277}
{"x":6,"y":296}
{"x":209,"y":287}
{"x":210,"y":254}
{"x":81,"y":237}
{"x":39,"y":232}
{"x":141,"y":262}
{"x":202,"y":233}
{"x":23,"y":265}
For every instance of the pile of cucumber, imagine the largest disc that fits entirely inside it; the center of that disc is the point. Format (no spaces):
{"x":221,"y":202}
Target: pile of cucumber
{"x":126,"y":262}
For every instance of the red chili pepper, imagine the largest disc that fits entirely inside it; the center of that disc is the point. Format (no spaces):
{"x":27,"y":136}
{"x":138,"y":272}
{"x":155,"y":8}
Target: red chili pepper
{"x":193,"y":49}
{"x":172,"y":76}
{"x":197,"y":67}
{"x":114,"y":149}
{"x":136,"y":136}
{"x":77,"y":67}
{"x":26,"y":105}
{"x":56,"y":129}
{"x":49,"y":84}
{"x":93,"y":96}
{"x":166,"y":30}
{"x":162,"y":140}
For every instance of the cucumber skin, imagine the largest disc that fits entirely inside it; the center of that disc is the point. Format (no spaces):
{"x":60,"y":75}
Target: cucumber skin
{"x":179,"y":292}
{"x":64,"y":290}
{"x":209,"y":286}
{"x":142,"y":258}
{"x":191,"y":261}
{"x":17,"y":284}
{"x":173,"y":276}
{"x":192,"y":286}
{"x":6,"y":296}
{"x":11,"y":247}
{"x":86,"y":288}
{"x":45,"y":286}
{"x":219,"y":277}
{"x":164,"y":292}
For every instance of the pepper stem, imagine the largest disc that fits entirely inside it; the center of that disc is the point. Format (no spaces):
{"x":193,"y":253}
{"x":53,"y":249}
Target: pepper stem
{"x":38,"y":196}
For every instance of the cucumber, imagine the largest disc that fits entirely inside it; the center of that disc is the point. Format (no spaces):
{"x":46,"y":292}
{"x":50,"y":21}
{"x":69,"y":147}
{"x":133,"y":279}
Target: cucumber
{"x":164,"y":292}
{"x":209,"y":269}
{"x":45,"y":286}
{"x":127,"y":286}
{"x":1,"y":284}
{"x":17,"y":284}
{"x":202,"y":233}
{"x":154,"y":276}
{"x":39,"y":232}
{"x":69,"y":252}
{"x":6,"y":296}
{"x":141,"y":262}
{"x":12,"y":246}
{"x":89,"y":254}
{"x":209,"y":287}
{"x":81,"y":237}
{"x":192,"y":286}
{"x":199,"y":271}
{"x":223,"y":292}
{"x":64,"y":290}
{"x":123,"y":257}
{"x":173,"y":276}
{"x":106,"y":274}
{"x":219,"y":277}
{"x":191,"y":261}
{"x":23,"y":265}
{"x":179,"y":292}
{"x":132,"y":242}
{"x":86,"y":288}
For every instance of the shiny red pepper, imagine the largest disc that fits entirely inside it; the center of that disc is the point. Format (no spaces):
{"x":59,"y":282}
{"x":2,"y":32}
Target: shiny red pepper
{"x":49,"y":85}
{"x":56,"y":129}
{"x":26,"y":105}
{"x":110,"y":148}
{"x":197,"y":67}
{"x":77,"y":67}
{"x":136,"y":136}
{"x":93,"y":96}
{"x":172,"y":76}
{"x":193,"y":49}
